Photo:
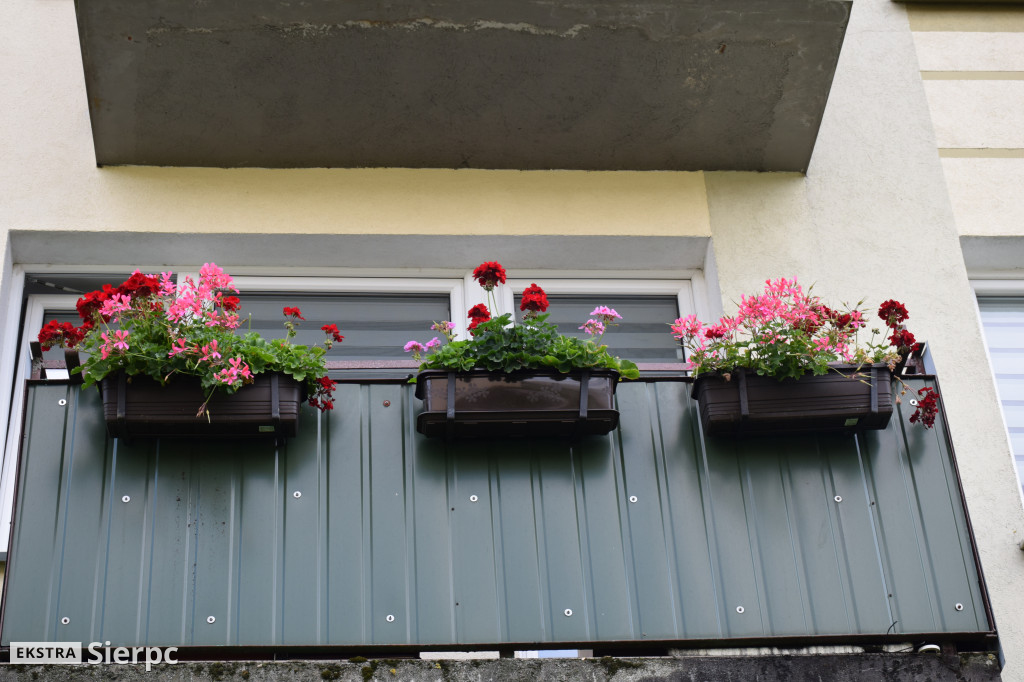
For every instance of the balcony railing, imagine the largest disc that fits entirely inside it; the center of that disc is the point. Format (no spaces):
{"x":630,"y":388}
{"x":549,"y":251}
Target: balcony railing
{"x":361,"y":533}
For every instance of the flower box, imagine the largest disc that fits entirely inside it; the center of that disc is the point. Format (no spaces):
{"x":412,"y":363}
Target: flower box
{"x":139,"y":406}
{"x":528,"y":403}
{"x":844,"y":400}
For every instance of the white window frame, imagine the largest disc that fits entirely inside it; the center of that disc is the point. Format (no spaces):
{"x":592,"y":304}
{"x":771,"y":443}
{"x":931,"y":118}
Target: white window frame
{"x":464,"y":292}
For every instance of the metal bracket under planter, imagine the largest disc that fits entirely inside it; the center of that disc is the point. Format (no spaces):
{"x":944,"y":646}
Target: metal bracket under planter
{"x":846,"y":400}
{"x":483,"y":404}
{"x":139,"y":406}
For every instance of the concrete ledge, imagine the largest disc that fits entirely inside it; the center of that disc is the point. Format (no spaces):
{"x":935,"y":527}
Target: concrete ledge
{"x":909,"y":667}
{"x":457,"y":253}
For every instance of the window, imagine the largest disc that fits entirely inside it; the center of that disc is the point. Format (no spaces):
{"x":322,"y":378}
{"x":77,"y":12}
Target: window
{"x":1003,"y":320}
{"x":642,"y":335}
{"x":375,"y":326}
{"x":647,"y":307}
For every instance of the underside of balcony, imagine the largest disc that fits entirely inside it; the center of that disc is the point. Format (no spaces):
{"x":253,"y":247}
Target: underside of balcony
{"x":659,"y":85}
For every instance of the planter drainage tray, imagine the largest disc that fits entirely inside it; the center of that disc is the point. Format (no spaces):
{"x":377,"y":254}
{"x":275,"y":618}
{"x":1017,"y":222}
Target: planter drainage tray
{"x":845,"y":400}
{"x":529,"y":404}
{"x":139,"y":406}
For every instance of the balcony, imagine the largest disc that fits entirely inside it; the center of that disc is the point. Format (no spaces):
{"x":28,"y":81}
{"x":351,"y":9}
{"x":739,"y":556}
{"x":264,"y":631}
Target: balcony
{"x":362,"y":536}
{"x":660,"y":85}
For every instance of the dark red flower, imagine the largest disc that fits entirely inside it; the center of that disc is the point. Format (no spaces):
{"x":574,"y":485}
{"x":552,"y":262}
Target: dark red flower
{"x":893,"y":312}
{"x":842,"y":320}
{"x":229,"y":303}
{"x":139,"y":285}
{"x":479,"y":312}
{"x":332,"y":331}
{"x":902,"y":338}
{"x":93,"y":301}
{"x":323,"y":398}
{"x":715,"y":332}
{"x":293,"y":312}
{"x":477,"y":315}
{"x":927,"y":407}
{"x":534,"y":299}
{"x":489,"y":274}
{"x":63,"y":334}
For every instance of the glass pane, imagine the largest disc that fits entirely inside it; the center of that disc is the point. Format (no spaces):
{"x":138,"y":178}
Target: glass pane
{"x":72,"y":284}
{"x":376,"y":327}
{"x":641,"y":336}
{"x":1003,"y":320}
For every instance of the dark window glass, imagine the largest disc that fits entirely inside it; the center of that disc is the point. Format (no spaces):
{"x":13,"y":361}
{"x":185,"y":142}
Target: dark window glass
{"x":642,"y":335}
{"x":376,"y":327}
{"x":71,"y":284}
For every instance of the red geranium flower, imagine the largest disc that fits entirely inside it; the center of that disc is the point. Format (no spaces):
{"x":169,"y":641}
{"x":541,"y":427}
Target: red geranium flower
{"x":893,"y":312}
{"x":902,"y":338}
{"x":534,"y":299}
{"x":93,"y":301}
{"x":489,"y":274}
{"x":927,"y":407}
{"x":229,"y":303}
{"x":139,"y":285}
{"x":478,"y":314}
{"x":332,"y":331}
{"x":62,"y":334}
{"x":293,"y":312}
{"x":323,"y":398}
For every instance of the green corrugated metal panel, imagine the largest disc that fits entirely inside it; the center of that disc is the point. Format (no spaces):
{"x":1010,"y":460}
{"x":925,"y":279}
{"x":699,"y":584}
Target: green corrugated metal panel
{"x":652,"y":532}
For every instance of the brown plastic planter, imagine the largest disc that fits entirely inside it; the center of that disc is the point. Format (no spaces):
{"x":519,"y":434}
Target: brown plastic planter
{"x":533,"y":403}
{"x":843,"y":401}
{"x":139,"y":406}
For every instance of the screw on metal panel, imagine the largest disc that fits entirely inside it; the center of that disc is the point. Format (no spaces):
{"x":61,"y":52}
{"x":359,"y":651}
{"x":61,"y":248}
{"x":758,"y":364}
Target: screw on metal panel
{"x":296,"y":494}
{"x":62,"y":402}
{"x":914,"y":403}
{"x":567,"y":612}
{"x":126,"y":499}
{"x":959,"y":606}
{"x":929,"y":649}
{"x":211,"y":620}
{"x":390,"y":618}
{"x":65,"y":620}
{"x":633,"y":498}
{"x":740,"y":609}
{"x":473,"y":498}
{"x":387,"y":403}
{"x":838,"y":498}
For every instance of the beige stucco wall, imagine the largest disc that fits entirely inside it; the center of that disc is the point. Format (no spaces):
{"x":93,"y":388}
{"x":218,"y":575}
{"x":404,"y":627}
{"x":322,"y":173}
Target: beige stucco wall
{"x":78,"y":195}
{"x":972,"y":64}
